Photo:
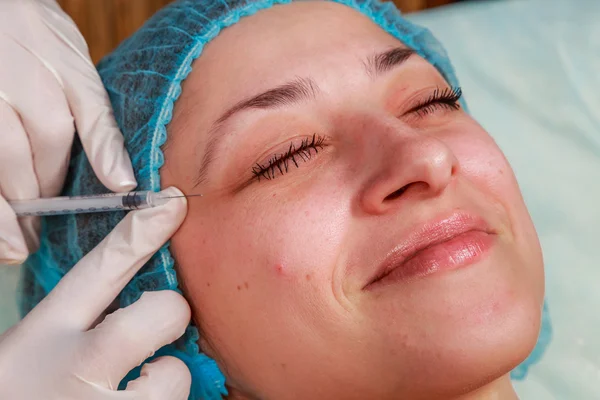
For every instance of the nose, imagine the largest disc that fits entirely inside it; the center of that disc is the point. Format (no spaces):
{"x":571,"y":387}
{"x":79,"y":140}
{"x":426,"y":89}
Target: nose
{"x":421,"y":165}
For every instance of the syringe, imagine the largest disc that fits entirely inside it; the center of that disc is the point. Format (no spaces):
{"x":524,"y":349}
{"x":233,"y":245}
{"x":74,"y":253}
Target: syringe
{"x":90,"y":204}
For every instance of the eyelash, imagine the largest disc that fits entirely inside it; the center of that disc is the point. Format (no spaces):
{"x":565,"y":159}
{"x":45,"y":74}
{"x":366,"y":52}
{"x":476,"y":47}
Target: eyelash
{"x":440,"y":98}
{"x":282,"y":162}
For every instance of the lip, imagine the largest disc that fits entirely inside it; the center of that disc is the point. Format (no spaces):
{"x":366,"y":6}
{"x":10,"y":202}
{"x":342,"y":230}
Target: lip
{"x":450,"y":242}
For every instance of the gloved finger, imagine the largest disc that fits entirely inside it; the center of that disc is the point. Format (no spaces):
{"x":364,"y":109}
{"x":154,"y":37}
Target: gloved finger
{"x":90,"y":287}
{"x":164,"y":378}
{"x":17,"y":175}
{"x":12,"y":243}
{"x":44,"y":112}
{"x":130,"y":335}
{"x":100,"y":136}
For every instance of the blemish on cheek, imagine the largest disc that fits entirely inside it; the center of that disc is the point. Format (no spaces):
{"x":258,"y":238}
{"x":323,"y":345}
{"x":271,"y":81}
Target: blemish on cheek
{"x":279,"y":269}
{"x":246,"y":285}
{"x":283,"y":366}
{"x":208,"y":284}
{"x":308,"y":277}
{"x":239,"y":287}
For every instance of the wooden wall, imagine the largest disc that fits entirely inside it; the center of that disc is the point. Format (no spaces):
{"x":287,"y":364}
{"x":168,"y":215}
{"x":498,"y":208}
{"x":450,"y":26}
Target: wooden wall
{"x":416,"y":5}
{"x":105,"y":23}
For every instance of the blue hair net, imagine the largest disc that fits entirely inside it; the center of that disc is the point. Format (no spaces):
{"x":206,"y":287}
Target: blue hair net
{"x":143,"y":78}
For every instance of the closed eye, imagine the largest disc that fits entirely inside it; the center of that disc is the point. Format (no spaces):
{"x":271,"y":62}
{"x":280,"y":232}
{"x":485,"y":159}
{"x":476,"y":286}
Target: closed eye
{"x":447,"y":98}
{"x":281,"y":164}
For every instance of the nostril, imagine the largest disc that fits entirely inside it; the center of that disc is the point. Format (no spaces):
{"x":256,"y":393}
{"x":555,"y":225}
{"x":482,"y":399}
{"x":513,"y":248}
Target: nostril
{"x":397,"y":193}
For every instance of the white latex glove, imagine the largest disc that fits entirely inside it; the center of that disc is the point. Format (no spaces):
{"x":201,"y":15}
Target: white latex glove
{"x":54,"y":353}
{"x":48,"y":87}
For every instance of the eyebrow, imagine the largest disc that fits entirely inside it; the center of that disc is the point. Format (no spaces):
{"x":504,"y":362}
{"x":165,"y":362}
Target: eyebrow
{"x":289,"y":93}
{"x":293,"y":92}
{"x":381,"y":63}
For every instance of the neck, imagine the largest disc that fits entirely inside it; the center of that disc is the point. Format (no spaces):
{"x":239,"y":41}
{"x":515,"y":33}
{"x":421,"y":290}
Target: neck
{"x":500,"y":389}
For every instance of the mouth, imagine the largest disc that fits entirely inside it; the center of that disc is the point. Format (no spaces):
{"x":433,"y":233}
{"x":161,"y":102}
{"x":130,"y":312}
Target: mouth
{"x":448,"y":243}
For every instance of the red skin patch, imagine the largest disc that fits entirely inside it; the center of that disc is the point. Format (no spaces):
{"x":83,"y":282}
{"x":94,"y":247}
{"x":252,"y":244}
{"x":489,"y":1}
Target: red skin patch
{"x":279,"y":269}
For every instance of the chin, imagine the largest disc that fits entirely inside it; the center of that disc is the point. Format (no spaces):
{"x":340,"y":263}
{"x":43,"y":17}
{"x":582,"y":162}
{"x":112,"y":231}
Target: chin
{"x":486,"y":352}
{"x":473,"y":333}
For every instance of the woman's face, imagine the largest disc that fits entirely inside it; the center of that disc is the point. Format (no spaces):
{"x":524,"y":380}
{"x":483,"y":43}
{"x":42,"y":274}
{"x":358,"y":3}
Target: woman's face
{"x":354,"y":163}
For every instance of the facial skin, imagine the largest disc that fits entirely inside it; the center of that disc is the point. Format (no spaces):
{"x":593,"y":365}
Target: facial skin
{"x":275,"y":270}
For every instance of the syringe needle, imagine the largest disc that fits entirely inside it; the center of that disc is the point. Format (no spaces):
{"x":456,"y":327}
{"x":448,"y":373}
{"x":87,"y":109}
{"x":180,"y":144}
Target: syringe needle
{"x":185,"y":195}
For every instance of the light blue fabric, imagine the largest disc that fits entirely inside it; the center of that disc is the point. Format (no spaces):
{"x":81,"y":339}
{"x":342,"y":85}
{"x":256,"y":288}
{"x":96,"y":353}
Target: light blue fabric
{"x":143,"y":78}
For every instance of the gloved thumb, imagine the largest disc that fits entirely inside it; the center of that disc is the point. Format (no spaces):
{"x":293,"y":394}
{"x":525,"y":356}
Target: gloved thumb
{"x":163,"y":378}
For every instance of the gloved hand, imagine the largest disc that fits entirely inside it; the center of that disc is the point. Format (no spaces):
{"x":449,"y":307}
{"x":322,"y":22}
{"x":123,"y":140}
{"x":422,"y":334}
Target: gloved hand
{"x":48,"y":87}
{"x":56,"y":353}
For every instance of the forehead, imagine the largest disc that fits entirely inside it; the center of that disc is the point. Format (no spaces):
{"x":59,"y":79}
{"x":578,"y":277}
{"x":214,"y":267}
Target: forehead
{"x":311,"y":38}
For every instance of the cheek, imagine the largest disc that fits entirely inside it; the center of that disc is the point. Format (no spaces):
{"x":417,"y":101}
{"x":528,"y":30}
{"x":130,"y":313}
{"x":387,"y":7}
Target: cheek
{"x":275,"y":254}
{"x":484,"y":165}
{"x":280,"y":238}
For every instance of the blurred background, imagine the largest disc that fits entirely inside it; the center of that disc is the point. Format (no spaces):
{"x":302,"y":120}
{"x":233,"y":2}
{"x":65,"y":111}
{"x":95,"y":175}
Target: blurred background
{"x":105,"y":23}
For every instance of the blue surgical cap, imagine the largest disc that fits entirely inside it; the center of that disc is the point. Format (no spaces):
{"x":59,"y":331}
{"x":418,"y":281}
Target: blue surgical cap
{"x":143,"y":78}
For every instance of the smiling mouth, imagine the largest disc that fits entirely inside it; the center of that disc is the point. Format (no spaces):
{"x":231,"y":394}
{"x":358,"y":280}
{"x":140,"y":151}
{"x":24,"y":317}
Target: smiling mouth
{"x":457,"y":241}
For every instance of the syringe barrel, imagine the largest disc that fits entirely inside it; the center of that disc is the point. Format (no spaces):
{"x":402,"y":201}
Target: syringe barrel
{"x":85,"y":204}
